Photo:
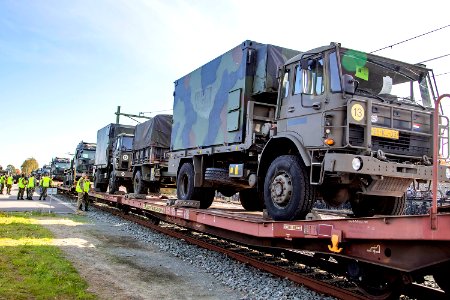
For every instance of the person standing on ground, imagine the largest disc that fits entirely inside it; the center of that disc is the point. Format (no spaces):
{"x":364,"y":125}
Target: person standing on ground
{"x":45,"y":183}
{"x":22,"y":183}
{"x":2,"y":183}
{"x":30,"y":187}
{"x":80,"y":190}
{"x":87,"y":187}
{"x":9,"y":183}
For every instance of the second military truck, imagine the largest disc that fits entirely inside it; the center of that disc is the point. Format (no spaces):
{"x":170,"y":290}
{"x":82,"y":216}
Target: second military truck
{"x":284,"y":127}
{"x":113,"y":158}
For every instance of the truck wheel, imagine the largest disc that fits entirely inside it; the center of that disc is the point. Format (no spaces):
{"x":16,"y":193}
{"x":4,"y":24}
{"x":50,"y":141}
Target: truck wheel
{"x":154,"y":188}
{"x":368,"y":206}
{"x":138,"y":183}
{"x":206,"y":196}
{"x":287,"y":192}
{"x":130,"y":188}
{"x":250,"y":200}
{"x":185,"y":182}
{"x":113,"y":184}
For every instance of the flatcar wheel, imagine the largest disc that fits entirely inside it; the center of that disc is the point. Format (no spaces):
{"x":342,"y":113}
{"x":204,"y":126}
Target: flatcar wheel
{"x":377,"y":283}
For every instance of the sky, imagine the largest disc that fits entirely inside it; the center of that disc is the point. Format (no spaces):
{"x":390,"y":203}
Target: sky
{"x":65,"y":65}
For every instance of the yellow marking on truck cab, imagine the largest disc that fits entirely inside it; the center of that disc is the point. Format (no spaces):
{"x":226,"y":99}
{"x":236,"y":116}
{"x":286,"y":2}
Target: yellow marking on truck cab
{"x":236,"y":170}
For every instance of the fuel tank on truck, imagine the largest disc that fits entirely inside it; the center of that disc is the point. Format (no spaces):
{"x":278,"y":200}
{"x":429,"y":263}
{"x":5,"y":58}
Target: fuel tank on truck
{"x":210,"y":102}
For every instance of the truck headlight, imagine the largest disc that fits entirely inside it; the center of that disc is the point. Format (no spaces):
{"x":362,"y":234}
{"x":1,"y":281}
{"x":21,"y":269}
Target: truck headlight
{"x":447,"y":173}
{"x":357,"y":163}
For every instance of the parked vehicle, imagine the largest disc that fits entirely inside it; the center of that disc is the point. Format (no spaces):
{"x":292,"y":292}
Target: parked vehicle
{"x":150,"y":147}
{"x":58,"y":167}
{"x":339,"y":124}
{"x":113,"y":158}
{"x":82,"y":162}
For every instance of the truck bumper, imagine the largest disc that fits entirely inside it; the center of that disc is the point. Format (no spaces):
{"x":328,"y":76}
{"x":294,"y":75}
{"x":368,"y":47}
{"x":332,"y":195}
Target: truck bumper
{"x":337,"y":162}
{"x":123,"y":174}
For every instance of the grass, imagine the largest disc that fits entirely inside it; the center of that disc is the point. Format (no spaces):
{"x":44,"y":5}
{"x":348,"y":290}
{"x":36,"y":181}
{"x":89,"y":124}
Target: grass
{"x":30,"y":266}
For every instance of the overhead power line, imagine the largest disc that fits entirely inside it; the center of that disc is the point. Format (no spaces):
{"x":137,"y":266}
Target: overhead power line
{"x":407,"y":40}
{"x":433,"y":58}
{"x":442,"y":74}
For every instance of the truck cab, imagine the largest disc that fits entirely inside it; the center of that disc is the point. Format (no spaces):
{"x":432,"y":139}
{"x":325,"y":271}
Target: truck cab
{"x":82,"y":162}
{"x":121,"y":173}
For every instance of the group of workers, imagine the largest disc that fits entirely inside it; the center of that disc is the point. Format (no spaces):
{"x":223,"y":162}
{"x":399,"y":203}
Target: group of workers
{"x":7,"y":181}
{"x":27,"y":184}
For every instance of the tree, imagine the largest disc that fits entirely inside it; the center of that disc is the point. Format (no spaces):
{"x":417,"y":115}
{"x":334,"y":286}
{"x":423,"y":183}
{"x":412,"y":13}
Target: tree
{"x":11,"y":169}
{"x":29,"y":165}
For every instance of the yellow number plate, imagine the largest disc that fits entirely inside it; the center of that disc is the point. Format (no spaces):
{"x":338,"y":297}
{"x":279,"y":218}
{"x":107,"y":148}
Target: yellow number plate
{"x":386,"y":133}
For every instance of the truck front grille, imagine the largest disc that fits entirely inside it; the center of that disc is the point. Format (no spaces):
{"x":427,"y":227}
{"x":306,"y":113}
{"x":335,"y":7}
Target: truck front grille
{"x":409,"y":144}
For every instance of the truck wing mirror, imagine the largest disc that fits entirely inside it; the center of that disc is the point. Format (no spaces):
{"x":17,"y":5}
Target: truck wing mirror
{"x":349,"y":84}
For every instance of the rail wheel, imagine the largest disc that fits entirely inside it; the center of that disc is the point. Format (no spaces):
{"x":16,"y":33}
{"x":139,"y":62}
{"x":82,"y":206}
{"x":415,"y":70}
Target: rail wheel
{"x":287,"y":192}
{"x":368,"y":206}
{"x":113,"y":184}
{"x":441,"y":277}
{"x":250,"y":200}
{"x":375,"y":282}
{"x":138,"y":183}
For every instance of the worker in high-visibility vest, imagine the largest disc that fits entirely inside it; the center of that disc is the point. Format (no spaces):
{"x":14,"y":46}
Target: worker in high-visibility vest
{"x":9,"y":183}
{"x":2,"y":183}
{"x":30,"y":187}
{"x":22,"y":184}
{"x":87,"y":187}
{"x":45,"y":183}
{"x":80,"y":190}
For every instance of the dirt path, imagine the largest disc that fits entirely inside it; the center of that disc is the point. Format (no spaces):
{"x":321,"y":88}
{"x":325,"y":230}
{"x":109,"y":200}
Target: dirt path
{"x":119,"y":267}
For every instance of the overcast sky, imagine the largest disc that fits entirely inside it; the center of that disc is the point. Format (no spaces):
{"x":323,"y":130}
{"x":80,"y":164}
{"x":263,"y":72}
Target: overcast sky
{"x":65,"y":65}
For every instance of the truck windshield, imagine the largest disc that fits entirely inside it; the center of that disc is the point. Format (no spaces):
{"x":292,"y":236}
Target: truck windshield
{"x":387,"y":79}
{"x":126,"y":143}
{"x":62,"y":165}
{"x":88,"y":154}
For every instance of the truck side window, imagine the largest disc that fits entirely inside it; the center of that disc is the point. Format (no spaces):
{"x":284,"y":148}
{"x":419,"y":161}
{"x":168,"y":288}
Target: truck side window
{"x":309,"y":81}
{"x":285,"y":86}
{"x":334,"y":73}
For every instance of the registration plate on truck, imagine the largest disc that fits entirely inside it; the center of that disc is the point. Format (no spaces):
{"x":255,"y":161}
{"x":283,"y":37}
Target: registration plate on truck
{"x":385,"y":133}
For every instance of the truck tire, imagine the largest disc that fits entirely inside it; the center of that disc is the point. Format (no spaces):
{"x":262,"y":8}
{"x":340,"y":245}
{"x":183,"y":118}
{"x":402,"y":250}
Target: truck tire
{"x":154,"y":188}
{"x":99,"y":186}
{"x":138,"y":183}
{"x":220,"y":177}
{"x":187,"y":191}
{"x":287,"y":193}
{"x":368,"y":206}
{"x":130,"y":188}
{"x":250,"y":200}
{"x":113,"y":184}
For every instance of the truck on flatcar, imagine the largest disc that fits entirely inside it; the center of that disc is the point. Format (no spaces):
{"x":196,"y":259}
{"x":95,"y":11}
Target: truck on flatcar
{"x":285,"y":127}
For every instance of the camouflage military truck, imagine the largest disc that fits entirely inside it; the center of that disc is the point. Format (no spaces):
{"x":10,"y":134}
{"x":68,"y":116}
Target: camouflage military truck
{"x":339,"y":124}
{"x":113,"y":158}
{"x":150,"y":146}
{"x":58,"y":167}
{"x":82,"y":162}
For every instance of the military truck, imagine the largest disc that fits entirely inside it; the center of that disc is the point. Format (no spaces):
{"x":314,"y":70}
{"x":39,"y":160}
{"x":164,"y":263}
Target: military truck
{"x":82,"y":162}
{"x":150,"y":147}
{"x":58,"y":167}
{"x":113,"y":158}
{"x":339,"y":124}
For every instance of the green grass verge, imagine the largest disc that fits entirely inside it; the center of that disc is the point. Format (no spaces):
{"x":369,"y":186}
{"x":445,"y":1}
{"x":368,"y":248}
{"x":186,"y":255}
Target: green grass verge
{"x":30,"y":267}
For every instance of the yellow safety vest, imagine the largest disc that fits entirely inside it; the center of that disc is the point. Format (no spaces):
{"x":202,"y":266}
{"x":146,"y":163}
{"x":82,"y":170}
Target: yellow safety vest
{"x":87,"y":185}
{"x":31,"y":182}
{"x":20,"y":183}
{"x":2,"y":179}
{"x":9,"y":180}
{"x":46,"y":181}
{"x":78,"y":188}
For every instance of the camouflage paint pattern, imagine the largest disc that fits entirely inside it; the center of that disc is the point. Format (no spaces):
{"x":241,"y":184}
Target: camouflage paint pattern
{"x":210,"y":102}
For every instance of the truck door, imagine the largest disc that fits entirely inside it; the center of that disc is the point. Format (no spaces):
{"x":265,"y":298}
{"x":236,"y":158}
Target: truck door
{"x":304,"y":101}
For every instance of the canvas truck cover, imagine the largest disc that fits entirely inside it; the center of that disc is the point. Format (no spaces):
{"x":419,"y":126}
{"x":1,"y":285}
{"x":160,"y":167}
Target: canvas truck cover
{"x":154,"y":132}
{"x":210,"y":103}
{"x":105,"y":138}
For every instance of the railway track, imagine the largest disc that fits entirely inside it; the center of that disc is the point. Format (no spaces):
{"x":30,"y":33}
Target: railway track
{"x":317,"y":272}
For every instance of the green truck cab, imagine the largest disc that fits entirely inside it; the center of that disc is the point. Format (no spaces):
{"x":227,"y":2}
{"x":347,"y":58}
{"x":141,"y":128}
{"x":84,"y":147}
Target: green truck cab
{"x":284,"y":128}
